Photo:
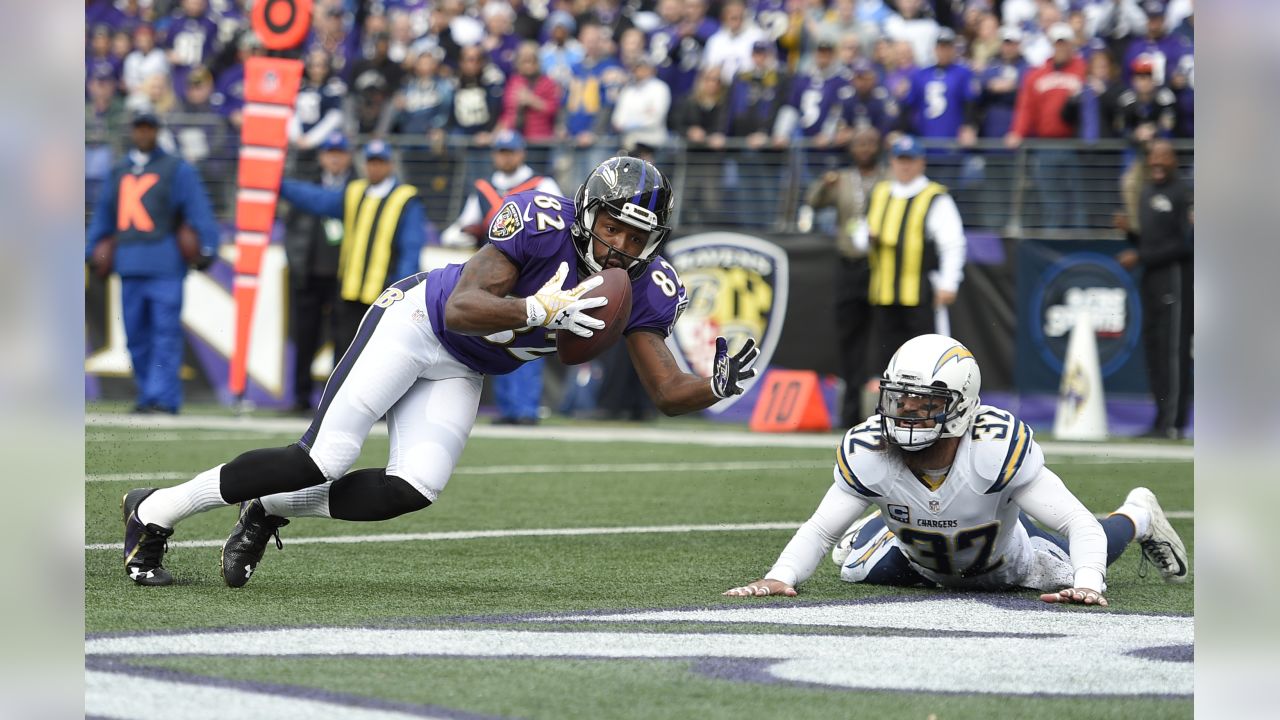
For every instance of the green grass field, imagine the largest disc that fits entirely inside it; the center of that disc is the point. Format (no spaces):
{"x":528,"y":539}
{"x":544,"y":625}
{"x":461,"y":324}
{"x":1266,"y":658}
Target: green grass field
{"x":634,"y":497}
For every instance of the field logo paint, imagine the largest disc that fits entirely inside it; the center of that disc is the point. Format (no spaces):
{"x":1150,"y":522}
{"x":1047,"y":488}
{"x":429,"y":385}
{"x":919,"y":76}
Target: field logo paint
{"x":737,"y":286}
{"x":950,"y":644}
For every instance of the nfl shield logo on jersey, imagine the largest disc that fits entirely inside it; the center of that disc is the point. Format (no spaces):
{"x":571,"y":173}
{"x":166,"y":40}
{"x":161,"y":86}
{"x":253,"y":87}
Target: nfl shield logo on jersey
{"x":506,"y":223}
{"x":737,"y":286}
{"x":934,"y":506}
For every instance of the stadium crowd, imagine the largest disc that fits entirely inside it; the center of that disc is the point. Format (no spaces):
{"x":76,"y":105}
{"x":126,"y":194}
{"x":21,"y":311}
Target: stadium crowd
{"x":749,"y":78}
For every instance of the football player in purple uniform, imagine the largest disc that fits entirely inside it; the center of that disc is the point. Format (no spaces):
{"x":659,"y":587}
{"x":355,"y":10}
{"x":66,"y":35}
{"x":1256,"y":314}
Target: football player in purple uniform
{"x":420,"y":356}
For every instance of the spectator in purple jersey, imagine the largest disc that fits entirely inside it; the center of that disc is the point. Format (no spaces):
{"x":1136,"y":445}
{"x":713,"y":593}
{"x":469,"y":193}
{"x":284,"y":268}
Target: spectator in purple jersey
{"x":813,"y":111}
{"x":98,"y":59}
{"x":191,"y":41}
{"x":868,"y":105}
{"x":331,"y":34}
{"x":500,"y":40}
{"x":123,"y":18}
{"x":678,"y":55}
{"x":1163,"y":50}
{"x":755,"y":99}
{"x":121,"y":45}
{"x":999,"y":83}
{"x":229,"y":86}
{"x":420,"y":358}
{"x":899,"y":68}
{"x":940,"y":103}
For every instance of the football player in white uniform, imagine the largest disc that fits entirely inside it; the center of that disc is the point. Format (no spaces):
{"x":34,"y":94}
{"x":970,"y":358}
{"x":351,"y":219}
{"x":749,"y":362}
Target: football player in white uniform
{"x":956,"y":484}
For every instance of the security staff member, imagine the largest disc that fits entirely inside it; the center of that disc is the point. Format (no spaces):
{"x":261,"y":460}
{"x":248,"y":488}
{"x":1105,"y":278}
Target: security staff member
{"x":382,"y":232}
{"x":312,"y":244}
{"x":1164,"y":252}
{"x":519,"y":393}
{"x":848,"y":191}
{"x":916,"y":246}
{"x":148,"y":197}
{"x":510,"y":175}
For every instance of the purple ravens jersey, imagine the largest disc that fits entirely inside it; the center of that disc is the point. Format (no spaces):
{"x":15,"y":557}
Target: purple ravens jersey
{"x":936,"y":104}
{"x":817,"y":98}
{"x":533,"y":230}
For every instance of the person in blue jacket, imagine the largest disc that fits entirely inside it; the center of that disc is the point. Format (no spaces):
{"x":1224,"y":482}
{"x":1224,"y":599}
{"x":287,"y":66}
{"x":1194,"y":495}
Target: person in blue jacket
{"x":383,"y":231}
{"x":148,"y":197}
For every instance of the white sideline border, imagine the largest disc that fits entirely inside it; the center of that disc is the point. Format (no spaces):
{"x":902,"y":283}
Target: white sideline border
{"x":676,"y":436}
{"x":529,"y":532}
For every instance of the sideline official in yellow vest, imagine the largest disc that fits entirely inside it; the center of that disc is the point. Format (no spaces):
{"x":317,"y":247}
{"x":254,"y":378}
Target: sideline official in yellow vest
{"x":383,"y":225}
{"x":914,"y":239}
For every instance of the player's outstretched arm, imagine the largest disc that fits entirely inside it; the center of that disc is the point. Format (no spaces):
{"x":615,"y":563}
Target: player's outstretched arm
{"x":676,"y":392}
{"x":479,"y":306}
{"x":762,"y":587}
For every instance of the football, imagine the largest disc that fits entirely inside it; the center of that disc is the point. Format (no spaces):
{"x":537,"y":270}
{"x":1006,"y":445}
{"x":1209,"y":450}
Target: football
{"x":574,"y":350}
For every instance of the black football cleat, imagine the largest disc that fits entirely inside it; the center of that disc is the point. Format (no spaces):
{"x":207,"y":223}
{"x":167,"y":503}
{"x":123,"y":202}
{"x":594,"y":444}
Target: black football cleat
{"x":243,"y":550}
{"x":144,"y":545}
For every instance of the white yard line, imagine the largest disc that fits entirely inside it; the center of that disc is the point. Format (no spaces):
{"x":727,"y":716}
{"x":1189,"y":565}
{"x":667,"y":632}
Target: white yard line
{"x":531,"y":532}
{"x":675,"y":435}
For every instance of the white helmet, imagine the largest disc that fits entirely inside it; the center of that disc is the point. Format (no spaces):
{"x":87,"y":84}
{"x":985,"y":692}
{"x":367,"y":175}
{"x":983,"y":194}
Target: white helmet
{"x":933,"y":380}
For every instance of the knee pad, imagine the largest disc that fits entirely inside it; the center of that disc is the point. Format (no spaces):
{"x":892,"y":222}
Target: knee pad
{"x":258,"y":473}
{"x":372,"y":494}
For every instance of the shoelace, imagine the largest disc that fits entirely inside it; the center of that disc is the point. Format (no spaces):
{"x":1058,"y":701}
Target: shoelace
{"x":147,"y":546}
{"x":1163,"y":553}
{"x":255,"y":532}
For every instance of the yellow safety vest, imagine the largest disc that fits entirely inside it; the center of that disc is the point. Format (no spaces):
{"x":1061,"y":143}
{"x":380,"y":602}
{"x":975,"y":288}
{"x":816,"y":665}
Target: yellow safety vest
{"x":897,"y":257}
{"x":369,"y":230}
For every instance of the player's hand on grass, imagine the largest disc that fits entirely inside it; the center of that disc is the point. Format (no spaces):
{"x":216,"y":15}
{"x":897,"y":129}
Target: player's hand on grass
{"x":1076,"y":596}
{"x":760,"y":588}
{"x":559,"y":309}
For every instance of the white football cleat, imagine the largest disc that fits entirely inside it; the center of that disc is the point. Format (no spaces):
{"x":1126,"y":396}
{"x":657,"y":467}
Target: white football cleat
{"x":841,"y":551}
{"x":1161,"y":545}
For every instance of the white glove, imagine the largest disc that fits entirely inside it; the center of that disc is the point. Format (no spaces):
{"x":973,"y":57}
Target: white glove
{"x":557,"y":308}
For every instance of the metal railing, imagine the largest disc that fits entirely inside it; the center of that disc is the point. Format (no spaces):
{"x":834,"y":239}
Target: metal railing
{"x":1050,"y":189}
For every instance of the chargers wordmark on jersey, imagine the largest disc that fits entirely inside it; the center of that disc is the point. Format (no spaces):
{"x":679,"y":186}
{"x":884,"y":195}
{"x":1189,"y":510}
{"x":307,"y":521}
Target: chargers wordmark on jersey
{"x":506,"y":223}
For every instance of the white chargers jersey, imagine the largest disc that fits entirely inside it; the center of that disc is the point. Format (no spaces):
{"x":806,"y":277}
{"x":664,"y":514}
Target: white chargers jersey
{"x":965,"y":531}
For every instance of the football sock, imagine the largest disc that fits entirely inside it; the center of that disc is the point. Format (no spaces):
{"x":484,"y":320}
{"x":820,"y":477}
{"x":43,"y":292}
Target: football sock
{"x":168,"y":506}
{"x":1140,"y":517}
{"x":1119,"y":529}
{"x":372,"y":494}
{"x":308,"y":502}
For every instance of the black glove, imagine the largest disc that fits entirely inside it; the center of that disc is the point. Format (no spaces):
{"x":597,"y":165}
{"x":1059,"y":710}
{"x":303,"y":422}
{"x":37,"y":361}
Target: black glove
{"x":202,"y":262}
{"x":729,"y":372}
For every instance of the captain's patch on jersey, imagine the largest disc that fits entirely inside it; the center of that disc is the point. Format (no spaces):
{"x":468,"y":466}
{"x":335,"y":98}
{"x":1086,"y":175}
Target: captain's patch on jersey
{"x":506,"y":223}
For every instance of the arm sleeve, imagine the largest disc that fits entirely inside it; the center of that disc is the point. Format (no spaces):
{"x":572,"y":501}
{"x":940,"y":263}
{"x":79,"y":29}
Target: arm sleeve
{"x":313,"y":198}
{"x":410,"y":237}
{"x":104,"y":215}
{"x":1021,"y":123}
{"x":947,"y":230}
{"x":1047,"y":500}
{"x":801,"y":556}
{"x":193,"y":202}
{"x":331,"y":121}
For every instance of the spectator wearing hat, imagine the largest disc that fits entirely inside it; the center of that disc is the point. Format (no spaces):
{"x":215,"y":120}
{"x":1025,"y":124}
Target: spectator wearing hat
{"x":730,"y":47}
{"x":531,"y":104}
{"x":812,"y":111}
{"x":755,"y":99}
{"x":916,"y":267}
{"x":1038,"y":113}
{"x":148,"y":196}
{"x":1163,"y":50}
{"x":868,"y":105}
{"x":942,"y":98}
{"x":562,"y":50}
{"x":312,"y":245}
{"x":191,"y":41}
{"x":383,"y":229}
{"x":999,"y":83}
{"x":640,"y":115}
{"x":1146,"y":110}
{"x":518,"y":394}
